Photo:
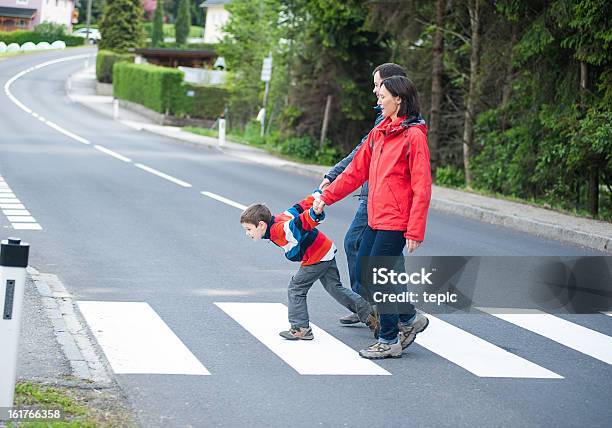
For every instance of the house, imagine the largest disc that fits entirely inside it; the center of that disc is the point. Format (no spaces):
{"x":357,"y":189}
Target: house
{"x":26,"y":14}
{"x":216,"y":17}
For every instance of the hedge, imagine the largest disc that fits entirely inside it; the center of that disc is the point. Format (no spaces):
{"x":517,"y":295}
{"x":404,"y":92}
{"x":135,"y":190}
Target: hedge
{"x":162,"y":89}
{"x":22,"y":36}
{"x":105,"y":60}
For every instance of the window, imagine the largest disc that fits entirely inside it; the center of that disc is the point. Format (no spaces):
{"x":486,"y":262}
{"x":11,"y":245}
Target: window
{"x":23,"y":2}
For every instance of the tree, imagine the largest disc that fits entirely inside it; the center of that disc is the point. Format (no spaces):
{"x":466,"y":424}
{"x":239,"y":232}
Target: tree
{"x":436,"y":84}
{"x":474,"y":7}
{"x":183,"y":22}
{"x":121,"y":25}
{"x":157,"y":35}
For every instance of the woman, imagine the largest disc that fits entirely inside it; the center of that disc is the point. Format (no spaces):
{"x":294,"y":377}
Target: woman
{"x":395,"y":161}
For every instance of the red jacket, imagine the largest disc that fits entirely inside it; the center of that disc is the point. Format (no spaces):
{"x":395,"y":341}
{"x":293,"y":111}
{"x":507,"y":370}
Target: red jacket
{"x":395,"y":161}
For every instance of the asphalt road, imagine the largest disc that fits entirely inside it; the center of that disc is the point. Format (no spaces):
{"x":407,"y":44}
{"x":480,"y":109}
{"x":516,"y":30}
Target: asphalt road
{"x":114,"y":232}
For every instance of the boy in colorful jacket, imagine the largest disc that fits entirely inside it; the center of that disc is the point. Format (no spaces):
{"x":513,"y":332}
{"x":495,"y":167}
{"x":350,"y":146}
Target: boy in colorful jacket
{"x":295,"y":232}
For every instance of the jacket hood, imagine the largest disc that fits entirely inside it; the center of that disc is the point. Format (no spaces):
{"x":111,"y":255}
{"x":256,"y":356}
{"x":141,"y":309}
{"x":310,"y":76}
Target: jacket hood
{"x":402,"y":123}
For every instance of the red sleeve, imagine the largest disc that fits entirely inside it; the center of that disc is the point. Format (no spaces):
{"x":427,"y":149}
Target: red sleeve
{"x":353,"y":176}
{"x":420,"y":180}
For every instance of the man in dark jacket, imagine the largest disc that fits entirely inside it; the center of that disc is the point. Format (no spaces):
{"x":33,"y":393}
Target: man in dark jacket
{"x":353,"y":236}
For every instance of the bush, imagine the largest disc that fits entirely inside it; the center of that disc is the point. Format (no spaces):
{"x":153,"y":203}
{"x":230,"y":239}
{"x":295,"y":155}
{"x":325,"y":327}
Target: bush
{"x":208,"y":102}
{"x":22,"y":36}
{"x":162,"y":89}
{"x":105,"y":60}
{"x":157,"y":88}
{"x":50,"y":30}
{"x":121,"y":25}
{"x":450,"y":176}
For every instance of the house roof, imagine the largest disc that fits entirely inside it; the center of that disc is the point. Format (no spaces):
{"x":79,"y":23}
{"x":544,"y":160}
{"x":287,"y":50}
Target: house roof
{"x":175,"y":53}
{"x":17,"y":12}
{"x":214,"y":2}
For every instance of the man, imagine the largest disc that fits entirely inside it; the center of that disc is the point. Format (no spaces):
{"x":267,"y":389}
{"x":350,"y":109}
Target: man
{"x":352,"y":239}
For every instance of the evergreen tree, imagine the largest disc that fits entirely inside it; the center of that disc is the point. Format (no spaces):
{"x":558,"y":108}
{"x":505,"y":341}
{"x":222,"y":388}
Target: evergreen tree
{"x":157,"y":35}
{"x":183,"y":22}
{"x":121,"y":25}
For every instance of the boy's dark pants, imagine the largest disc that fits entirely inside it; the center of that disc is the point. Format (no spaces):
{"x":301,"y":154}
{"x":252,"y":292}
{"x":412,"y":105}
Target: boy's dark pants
{"x":327,"y":273}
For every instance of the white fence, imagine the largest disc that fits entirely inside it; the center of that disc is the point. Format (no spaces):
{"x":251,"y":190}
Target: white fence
{"x":29,"y":46}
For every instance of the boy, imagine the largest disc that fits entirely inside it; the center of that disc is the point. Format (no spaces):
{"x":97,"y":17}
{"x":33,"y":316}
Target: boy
{"x":295,"y":232}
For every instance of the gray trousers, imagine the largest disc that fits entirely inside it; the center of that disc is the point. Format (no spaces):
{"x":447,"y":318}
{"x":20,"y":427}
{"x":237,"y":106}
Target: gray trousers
{"x":327,"y":273}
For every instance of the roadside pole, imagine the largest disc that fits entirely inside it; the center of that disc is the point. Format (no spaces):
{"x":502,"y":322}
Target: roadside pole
{"x":266,"y":75}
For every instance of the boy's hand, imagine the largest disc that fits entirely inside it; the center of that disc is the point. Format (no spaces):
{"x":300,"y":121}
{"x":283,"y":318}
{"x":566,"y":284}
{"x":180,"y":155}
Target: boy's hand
{"x":318,"y":206}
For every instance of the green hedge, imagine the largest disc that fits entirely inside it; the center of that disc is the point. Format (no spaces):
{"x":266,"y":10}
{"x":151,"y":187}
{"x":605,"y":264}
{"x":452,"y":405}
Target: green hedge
{"x":157,"y":88}
{"x":162,"y":89}
{"x":105,"y":60}
{"x":22,"y":36}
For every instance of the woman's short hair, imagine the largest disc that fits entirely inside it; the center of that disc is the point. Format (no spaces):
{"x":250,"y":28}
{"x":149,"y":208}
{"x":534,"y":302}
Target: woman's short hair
{"x":400,"y":86}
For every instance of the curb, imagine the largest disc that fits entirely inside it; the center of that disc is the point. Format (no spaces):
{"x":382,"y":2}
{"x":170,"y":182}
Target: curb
{"x":69,"y":331}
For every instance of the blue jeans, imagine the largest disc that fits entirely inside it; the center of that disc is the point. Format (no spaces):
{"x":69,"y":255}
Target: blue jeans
{"x":352,"y":239}
{"x":388,"y":243}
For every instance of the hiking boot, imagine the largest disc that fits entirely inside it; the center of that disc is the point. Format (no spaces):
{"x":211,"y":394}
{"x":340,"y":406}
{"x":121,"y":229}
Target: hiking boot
{"x":302,"y":333}
{"x":374,"y":324}
{"x":381,"y":350}
{"x":350,"y":319}
{"x":408,"y":332}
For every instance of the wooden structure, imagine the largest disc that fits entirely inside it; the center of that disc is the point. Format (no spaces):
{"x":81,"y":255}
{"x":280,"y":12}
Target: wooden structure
{"x":169,"y":57}
{"x":16,"y":18}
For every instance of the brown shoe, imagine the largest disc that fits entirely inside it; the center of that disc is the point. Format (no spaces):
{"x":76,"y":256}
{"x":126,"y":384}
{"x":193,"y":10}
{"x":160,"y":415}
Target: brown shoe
{"x":302,"y":333}
{"x":374,"y":324}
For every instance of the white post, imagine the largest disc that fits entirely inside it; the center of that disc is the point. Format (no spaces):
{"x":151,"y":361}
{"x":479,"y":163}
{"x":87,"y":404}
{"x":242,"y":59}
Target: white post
{"x":115,"y":108}
{"x":221,"y":132}
{"x":13,"y":261}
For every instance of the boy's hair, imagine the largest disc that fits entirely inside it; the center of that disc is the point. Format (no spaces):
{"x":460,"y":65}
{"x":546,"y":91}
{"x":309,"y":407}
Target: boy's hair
{"x":256,"y":213}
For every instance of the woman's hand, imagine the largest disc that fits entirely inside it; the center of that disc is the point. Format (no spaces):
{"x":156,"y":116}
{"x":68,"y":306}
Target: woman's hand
{"x":324,"y":184}
{"x":318,"y":206}
{"x":412,"y":245}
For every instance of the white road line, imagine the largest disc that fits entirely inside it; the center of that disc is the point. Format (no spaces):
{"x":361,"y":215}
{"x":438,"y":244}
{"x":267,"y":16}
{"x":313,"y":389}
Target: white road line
{"x":112,"y":153}
{"x":68,"y":133}
{"x":8,"y":195}
{"x":5,"y":190}
{"x":577,"y":337}
{"x":224,"y":200}
{"x":136,"y":340}
{"x":20,"y":219}
{"x":607,"y":313}
{"x":476,"y":355}
{"x":27,"y":110}
{"x":11,"y":206}
{"x":325,"y":355}
{"x":26,"y":226}
{"x":16,"y":212}
{"x":162,"y":175}
{"x":9,"y":201}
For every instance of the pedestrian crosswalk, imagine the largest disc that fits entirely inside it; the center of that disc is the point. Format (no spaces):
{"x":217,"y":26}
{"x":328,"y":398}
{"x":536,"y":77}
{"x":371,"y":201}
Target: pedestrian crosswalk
{"x":15,"y":212}
{"x":136,"y":340}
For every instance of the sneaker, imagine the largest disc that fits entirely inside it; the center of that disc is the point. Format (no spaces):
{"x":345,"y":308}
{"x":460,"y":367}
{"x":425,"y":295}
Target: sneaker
{"x":302,"y":333}
{"x":374,"y":324}
{"x":408,"y":332}
{"x":381,"y":350}
{"x":350,"y":319}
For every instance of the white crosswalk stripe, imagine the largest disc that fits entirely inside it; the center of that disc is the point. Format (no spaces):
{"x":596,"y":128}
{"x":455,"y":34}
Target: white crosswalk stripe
{"x":477,"y":355}
{"x":325,"y":355}
{"x":577,"y":337}
{"x":136,"y":340}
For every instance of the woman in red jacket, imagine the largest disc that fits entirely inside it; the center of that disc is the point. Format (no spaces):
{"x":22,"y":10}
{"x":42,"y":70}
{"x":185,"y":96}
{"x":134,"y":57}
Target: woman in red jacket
{"x":395,"y":161}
